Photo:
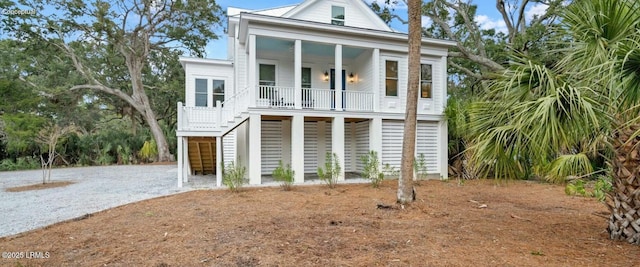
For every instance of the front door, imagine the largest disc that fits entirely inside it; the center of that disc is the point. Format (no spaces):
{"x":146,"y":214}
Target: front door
{"x":333,"y":87}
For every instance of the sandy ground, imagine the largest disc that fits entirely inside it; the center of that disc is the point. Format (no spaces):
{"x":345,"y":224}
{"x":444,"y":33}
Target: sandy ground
{"x":478,"y":223}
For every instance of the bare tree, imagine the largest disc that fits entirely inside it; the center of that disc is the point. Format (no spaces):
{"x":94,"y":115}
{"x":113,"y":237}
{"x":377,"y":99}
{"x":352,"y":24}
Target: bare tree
{"x":49,"y":136}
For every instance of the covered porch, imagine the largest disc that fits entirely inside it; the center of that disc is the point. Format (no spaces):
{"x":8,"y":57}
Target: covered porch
{"x":301,"y":74}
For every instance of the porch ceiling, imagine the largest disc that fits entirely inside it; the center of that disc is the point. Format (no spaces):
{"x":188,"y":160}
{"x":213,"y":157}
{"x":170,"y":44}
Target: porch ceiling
{"x":308,"y":48}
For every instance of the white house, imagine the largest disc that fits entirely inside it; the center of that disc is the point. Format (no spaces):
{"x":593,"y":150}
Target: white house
{"x":303,"y":80}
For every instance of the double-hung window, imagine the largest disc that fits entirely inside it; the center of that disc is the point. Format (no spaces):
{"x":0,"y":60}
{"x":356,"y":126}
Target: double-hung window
{"x":218,"y":91}
{"x":391,"y":78}
{"x":202,"y":92}
{"x":425,"y":80}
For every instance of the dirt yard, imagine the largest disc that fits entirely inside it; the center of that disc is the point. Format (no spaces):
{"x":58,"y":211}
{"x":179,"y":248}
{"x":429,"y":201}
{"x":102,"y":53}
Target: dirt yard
{"x":478,"y":223}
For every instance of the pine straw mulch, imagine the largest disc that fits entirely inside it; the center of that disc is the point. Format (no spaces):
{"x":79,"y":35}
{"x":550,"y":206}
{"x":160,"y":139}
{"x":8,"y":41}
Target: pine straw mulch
{"x":478,"y":223}
{"x":38,"y":186}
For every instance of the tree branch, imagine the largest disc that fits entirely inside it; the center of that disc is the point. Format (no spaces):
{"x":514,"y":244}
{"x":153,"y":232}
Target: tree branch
{"x":466,"y":70}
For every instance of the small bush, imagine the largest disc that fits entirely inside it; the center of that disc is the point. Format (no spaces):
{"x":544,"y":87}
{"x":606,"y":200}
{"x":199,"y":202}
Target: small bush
{"x":576,"y":187}
{"x":331,"y":170}
{"x":602,"y":187}
{"x":389,"y":170}
{"x":124,"y":155}
{"x":22,"y":163}
{"x":420,"y":167}
{"x":233,"y":177}
{"x":285,"y":175}
{"x":149,"y":151}
{"x":371,"y":169}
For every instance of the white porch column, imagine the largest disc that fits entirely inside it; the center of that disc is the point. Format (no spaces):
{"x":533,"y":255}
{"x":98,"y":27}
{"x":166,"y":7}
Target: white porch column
{"x":337,"y":142}
{"x":180,"y":153}
{"x":253,"y":74}
{"x":338,"y":78}
{"x":255,"y":149}
{"x":375,"y":138}
{"x":297,"y":75}
{"x":375,"y":78}
{"x":443,"y":153}
{"x":219,"y":161}
{"x":297,"y":147}
{"x":187,"y":164}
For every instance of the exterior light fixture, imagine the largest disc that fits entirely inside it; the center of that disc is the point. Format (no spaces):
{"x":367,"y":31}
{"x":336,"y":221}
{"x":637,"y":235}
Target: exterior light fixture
{"x":352,"y":78}
{"x":326,"y":76}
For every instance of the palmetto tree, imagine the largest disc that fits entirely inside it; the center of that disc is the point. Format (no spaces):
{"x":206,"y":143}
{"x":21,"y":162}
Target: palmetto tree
{"x":553,"y":120}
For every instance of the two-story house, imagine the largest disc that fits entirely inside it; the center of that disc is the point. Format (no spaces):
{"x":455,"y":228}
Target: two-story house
{"x":303,"y":80}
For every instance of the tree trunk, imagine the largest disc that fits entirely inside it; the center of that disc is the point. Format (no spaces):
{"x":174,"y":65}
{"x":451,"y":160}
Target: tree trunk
{"x":624,"y":200}
{"x":406,"y":193}
{"x":135,"y":65}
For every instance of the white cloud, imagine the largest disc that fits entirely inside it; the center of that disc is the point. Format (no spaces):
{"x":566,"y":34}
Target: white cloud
{"x":535,"y":10}
{"x":486,"y":23}
{"x":426,"y":21}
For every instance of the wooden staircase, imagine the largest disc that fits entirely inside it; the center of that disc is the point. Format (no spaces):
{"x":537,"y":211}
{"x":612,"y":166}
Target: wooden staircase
{"x":202,"y":155}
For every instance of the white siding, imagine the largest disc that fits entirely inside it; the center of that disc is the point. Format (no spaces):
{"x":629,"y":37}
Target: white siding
{"x":364,"y":72}
{"x":355,"y":15}
{"x":393,"y":103}
{"x":241,"y":66}
{"x":362,"y":143}
{"x":271,"y":145}
{"x":392,"y":133}
{"x":229,"y":147}
{"x":310,"y":147}
{"x":434,"y":104}
{"x":427,"y":144}
{"x":209,"y":72}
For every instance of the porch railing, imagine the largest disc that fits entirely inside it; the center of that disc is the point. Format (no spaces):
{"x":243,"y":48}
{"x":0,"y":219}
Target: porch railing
{"x":317,"y":98}
{"x":212,"y":118}
{"x":275,"y":96}
{"x":357,"y":101}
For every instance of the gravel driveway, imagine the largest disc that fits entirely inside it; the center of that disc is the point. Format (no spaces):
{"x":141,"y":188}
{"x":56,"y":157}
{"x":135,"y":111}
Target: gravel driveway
{"x":94,"y":189}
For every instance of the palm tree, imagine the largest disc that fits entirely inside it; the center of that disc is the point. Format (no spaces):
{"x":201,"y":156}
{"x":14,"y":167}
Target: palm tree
{"x":553,"y":120}
{"x":406,"y":193}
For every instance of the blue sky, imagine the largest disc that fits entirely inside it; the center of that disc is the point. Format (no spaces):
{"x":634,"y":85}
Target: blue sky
{"x":487,"y":17}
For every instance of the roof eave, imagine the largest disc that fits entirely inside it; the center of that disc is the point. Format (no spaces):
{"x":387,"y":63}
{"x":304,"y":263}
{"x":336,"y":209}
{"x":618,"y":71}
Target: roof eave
{"x":246,"y":17}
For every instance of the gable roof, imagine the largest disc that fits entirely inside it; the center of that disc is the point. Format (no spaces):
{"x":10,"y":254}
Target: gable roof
{"x":359,"y":4}
{"x":275,"y":11}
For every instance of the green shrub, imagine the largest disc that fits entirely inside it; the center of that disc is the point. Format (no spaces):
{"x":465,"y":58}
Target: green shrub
{"x":420,"y":167}
{"x":602,"y":187}
{"x":104,"y":157}
{"x":124,"y":154}
{"x":21,"y":163}
{"x":371,"y":169}
{"x":576,"y":187}
{"x":149,"y":151}
{"x":389,"y":170}
{"x":331,"y":170}
{"x":285,"y":175}
{"x":233,"y":177}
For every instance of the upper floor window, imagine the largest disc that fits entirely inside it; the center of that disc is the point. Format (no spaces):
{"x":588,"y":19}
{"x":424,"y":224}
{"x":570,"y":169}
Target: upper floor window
{"x":391,"y":78}
{"x":267,"y":74}
{"x":218,"y":91}
{"x":337,"y":15}
{"x":202,"y":92}
{"x":425,"y":80}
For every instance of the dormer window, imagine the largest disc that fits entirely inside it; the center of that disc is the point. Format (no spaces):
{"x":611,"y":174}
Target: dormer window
{"x":337,"y":15}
